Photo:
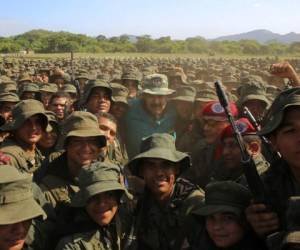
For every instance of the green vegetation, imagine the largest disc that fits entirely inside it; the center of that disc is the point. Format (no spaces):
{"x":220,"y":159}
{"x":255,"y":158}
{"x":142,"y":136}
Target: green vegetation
{"x":42,"y":41}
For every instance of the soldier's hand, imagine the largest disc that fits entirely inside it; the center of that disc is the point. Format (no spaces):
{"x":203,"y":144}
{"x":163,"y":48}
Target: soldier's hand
{"x":261,"y":219}
{"x":285,"y":70}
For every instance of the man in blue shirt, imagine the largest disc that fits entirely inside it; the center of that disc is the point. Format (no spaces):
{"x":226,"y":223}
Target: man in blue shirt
{"x":150,"y":113}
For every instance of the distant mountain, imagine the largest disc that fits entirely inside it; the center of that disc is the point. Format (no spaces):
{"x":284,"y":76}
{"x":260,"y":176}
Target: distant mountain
{"x":262,"y":36}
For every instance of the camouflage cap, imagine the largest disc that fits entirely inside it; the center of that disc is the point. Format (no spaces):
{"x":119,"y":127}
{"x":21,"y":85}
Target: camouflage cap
{"x":185,"y":93}
{"x":120,"y":93}
{"x":274,"y":117}
{"x":156,"y":84}
{"x":178,"y":72}
{"x":82,"y":76}
{"x":16,"y":198}
{"x":8,"y":86}
{"x":253,"y":91}
{"x":9,"y":97}
{"x":131,"y":75}
{"x":82,"y":124}
{"x":28,"y":87}
{"x":49,"y":87}
{"x":24,"y":110}
{"x":161,"y":146}
{"x":95,"y":84}
{"x":99,"y":177}
{"x":206,"y":95}
{"x":25,"y":78}
{"x":69,"y":88}
{"x":225,"y":196}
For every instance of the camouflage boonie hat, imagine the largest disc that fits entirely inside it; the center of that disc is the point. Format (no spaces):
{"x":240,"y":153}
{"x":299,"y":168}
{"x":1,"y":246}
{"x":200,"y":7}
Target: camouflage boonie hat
{"x":69,"y":88}
{"x":82,"y":124}
{"x":52,"y":121}
{"x":16,"y":198}
{"x":185,"y":93}
{"x":9,"y":97}
{"x":206,"y":95}
{"x":120,"y":93}
{"x":274,"y":117}
{"x":28,"y":87}
{"x":24,"y":110}
{"x":96,"y":178}
{"x":8,"y":87}
{"x":161,"y":146}
{"x":88,"y":88}
{"x":82,"y":76}
{"x":224,"y":196}
{"x":156,"y":84}
{"x":25,"y":78}
{"x":131,"y":75}
{"x":253,"y":91}
{"x":49,"y":87}
{"x":178,"y":72}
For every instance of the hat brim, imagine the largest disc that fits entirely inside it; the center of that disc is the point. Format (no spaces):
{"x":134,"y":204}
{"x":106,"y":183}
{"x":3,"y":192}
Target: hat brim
{"x":87,"y":133}
{"x":17,"y":123}
{"x":160,"y":153}
{"x":256,"y":97}
{"x":20,"y":211}
{"x":161,"y":91}
{"x":276,"y":121}
{"x":81,"y":198}
{"x":207,"y":210}
{"x":183,"y":98}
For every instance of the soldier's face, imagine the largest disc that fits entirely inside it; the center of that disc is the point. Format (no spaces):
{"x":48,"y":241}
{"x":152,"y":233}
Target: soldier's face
{"x":224,"y":229}
{"x":212,"y":129}
{"x":5,"y":110}
{"x":256,"y":107}
{"x":48,"y":139}
{"x":45,"y":98}
{"x":30,"y":131}
{"x":108,"y":128}
{"x":159,"y":176}
{"x":231,"y":153}
{"x":119,"y":109}
{"x":82,"y":151}
{"x":132,"y":87}
{"x":155,"y":104}
{"x":99,"y":101}
{"x":102,"y":207}
{"x":184,"y":109}
{"x":58,"y":106}
{"x":286,"y":139}
{"x":12,"y":236}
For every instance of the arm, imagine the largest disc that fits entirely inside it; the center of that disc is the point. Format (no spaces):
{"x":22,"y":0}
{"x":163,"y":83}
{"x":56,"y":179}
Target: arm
{"x":285,"y":70}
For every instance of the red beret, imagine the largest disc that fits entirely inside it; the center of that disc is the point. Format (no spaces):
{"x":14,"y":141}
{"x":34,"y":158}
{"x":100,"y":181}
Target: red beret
{"x":214,"y":110}
{"x":243,"y":125}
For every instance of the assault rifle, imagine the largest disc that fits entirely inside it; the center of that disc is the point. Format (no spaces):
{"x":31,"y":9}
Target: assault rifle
{"x":254,"y":182}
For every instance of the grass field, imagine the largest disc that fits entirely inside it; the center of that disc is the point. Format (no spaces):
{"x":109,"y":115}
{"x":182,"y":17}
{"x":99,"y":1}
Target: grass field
{"x":135,"y":55}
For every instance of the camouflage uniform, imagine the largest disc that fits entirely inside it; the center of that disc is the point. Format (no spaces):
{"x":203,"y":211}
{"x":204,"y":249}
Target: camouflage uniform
{"x":95,"y":179}
{"x":157,"y":227}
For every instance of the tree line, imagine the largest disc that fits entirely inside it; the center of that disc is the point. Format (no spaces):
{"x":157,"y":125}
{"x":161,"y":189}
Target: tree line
{"x":43,"y":41}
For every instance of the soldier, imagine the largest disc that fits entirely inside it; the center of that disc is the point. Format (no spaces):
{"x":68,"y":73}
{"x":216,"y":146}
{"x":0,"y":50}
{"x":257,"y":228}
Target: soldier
{"x":28,"y":91}
{"x":17,"y":209}
{"x":29,"y":120}
{"x":97,"y":97}
{"x":7,"y":103}
{"x":184,"y":102}
{"x":207,"y":152}
{"x":46,"y":92}
{"x":225,"y":222}
{"x":167,"y":200}
{"x":230,"y":167}
{"x":82,"y":141}
{"x":281,"y":126}
{"x":59,"y":105}
{"x":131,"y":81}
{"x":150,"y":113}
{"x":96,"y":224}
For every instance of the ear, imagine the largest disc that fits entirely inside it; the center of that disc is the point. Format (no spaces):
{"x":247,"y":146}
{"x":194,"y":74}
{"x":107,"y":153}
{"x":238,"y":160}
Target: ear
{"x":254,"y":148}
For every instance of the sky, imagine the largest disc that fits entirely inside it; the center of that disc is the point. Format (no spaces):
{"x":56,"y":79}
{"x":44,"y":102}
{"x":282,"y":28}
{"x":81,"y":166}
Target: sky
{"x":176,"y":18}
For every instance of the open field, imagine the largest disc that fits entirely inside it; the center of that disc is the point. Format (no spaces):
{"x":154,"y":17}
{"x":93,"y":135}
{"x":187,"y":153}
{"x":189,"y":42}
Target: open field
{"x":134,"y":55}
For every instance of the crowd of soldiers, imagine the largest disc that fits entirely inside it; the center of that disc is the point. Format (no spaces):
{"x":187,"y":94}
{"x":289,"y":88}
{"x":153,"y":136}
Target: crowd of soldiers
{"x":139,"y":154}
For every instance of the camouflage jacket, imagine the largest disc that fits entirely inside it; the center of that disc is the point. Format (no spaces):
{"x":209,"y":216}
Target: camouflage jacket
{"x":161,"y":228}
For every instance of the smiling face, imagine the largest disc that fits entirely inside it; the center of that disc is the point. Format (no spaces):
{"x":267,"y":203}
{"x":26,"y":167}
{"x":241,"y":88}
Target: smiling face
{"x":30,"y":131}
{"x":286,"y":139}
{"x":12,"y":236}
{"x":224,"y":229}
{"x":160,"y":176}
{"x":155,"y":105}
{"x":103,"y":207}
